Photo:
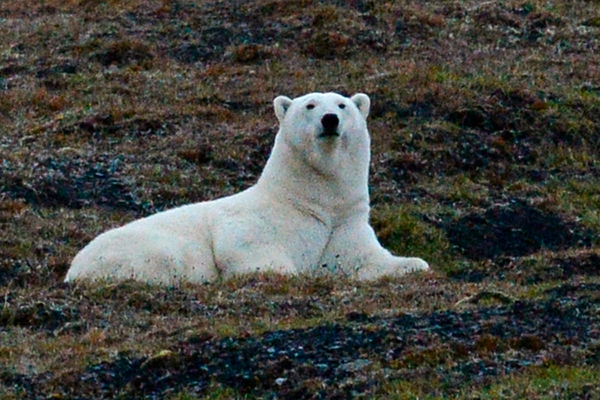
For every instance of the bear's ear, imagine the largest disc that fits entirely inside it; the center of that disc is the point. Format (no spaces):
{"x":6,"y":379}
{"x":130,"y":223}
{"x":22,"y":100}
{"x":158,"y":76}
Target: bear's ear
{"x":281,"y":104}
{"x":363,"y":103}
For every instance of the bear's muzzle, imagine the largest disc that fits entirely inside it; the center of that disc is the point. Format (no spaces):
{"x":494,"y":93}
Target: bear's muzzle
{"x":330,"y":124}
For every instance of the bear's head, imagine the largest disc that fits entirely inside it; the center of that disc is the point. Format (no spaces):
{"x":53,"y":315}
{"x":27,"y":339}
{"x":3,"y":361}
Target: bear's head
{"x":327,"y":130}
{"x":323,"y":115}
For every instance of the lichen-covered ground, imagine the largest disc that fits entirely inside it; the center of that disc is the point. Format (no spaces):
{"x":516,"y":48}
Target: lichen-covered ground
{"x":485,"y":124}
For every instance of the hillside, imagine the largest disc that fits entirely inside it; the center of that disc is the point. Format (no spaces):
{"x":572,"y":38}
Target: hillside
{"x":485,"y":125}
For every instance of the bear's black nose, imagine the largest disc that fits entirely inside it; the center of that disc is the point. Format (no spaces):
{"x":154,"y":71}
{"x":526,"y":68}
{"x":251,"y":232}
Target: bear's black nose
{"x":330,"y":122}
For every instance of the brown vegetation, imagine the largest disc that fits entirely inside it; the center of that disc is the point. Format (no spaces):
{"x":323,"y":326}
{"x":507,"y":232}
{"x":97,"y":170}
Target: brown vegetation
{"x":486,"y":131}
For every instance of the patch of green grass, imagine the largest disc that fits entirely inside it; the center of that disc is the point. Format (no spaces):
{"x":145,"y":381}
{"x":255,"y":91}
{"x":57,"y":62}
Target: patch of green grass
{"x":581,"y":198}
{"x":400,"y":389}
{"x":541,"y":383}
{"x":404,"y":232}
{"x":462,"y":190}
{"x":536,"y":383}
{"x":215,"y":392}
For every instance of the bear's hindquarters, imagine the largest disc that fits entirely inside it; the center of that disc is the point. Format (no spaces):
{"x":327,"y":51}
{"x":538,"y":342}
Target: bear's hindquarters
{"x":142,"y":254}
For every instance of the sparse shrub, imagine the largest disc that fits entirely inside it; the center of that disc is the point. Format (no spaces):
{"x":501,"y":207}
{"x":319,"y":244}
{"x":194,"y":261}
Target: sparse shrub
{"x":328,"y":44}
{"x":124,"y":52}
{"x":249,"y":53}
{"x":488,"y":344}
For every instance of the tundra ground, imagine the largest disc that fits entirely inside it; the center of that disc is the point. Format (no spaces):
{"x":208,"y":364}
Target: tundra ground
{"x":485,"y":124}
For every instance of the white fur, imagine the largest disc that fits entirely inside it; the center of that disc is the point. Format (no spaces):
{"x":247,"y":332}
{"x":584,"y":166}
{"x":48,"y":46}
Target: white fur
{"x":308,"y":212}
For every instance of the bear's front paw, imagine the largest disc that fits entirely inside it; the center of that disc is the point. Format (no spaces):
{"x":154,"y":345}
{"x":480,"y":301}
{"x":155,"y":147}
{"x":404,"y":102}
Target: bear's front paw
{"x":413,"y":264}
{"x":398,"y":266}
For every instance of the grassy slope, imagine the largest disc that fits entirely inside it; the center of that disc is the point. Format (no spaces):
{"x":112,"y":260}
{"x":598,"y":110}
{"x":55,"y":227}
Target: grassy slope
{"x":486,"y":126}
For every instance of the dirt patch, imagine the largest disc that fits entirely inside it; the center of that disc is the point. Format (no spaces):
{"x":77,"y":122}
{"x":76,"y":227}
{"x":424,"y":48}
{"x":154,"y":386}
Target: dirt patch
{"x":583,"y":263}
{"x":44,"y":315}
{"x":106,"y":125}
{"x":210,"y":44}
{"x":124,"y":52}
{"x":287,"y":364}
{"x":583,"y":289}
{"x":514,"y":229}
{"x":503,"y":112}
{"x":74,"y":183}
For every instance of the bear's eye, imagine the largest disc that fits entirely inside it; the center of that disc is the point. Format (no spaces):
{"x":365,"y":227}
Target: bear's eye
{"x":310,"y":106}
{"x":342,"y":106}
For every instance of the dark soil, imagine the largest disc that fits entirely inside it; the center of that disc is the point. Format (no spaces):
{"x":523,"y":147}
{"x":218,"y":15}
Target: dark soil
{"x":71,"y":182}
{"x":461,"y":348}
{"x":559,"y":268}
{"x":514,"y":229}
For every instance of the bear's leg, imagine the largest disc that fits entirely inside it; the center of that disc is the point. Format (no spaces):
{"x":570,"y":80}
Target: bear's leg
{"x":355,"y":250}
{"x":270,"y":258}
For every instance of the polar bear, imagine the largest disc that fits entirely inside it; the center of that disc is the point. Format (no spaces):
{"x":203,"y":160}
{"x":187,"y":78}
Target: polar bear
{"x":308,"y":212}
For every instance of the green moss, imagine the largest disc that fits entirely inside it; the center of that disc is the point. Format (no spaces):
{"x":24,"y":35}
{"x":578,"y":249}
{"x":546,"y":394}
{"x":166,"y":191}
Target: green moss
{"x":400,"y":389}
{"x":580,"y":198}
{"x":594,"y":22}
{"x":215,"y":392}
{"x":543,"y":383}
{"x":219,"y":393}
{"x":403,"y":231}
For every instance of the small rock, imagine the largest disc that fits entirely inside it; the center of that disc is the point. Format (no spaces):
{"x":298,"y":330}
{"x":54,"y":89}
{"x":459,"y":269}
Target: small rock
{"x":280,"y":381}
{"x":355,"y":366}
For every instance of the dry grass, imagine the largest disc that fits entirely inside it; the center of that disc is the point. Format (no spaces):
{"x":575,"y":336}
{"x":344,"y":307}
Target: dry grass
{"x":486,"y":131}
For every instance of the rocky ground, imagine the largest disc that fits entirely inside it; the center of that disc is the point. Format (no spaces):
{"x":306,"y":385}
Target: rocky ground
{"x":485,"y":124}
